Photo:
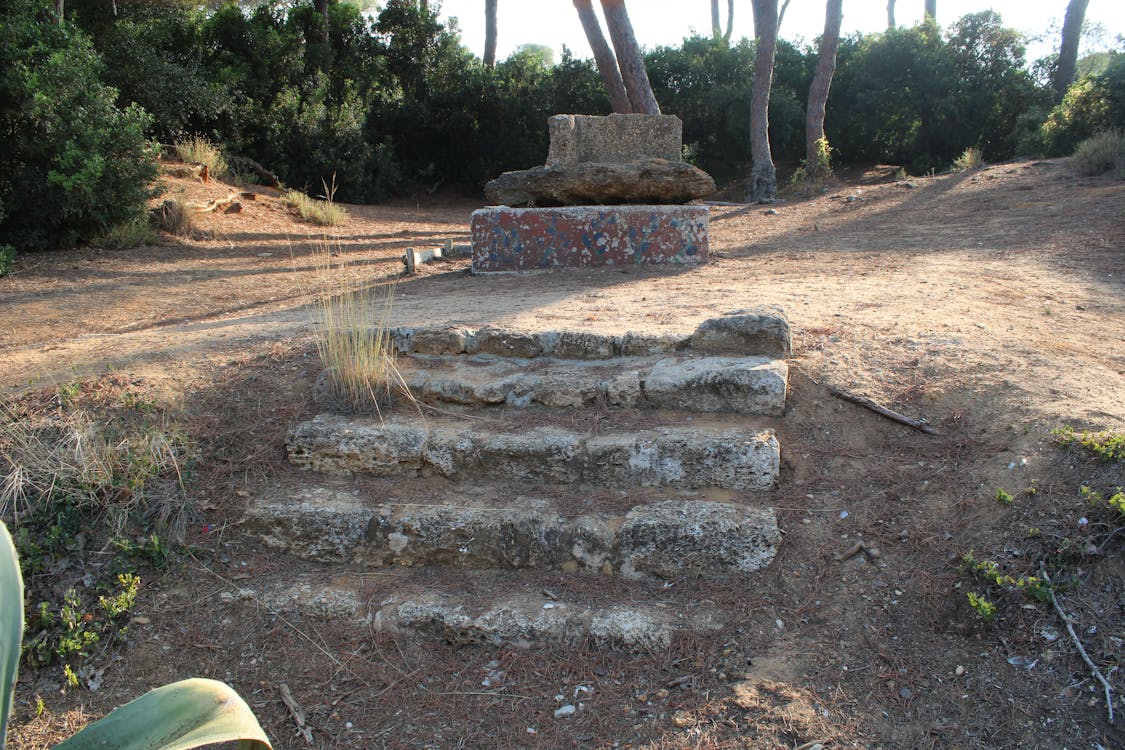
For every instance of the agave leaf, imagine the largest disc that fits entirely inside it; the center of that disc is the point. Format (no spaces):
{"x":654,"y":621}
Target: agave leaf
{"x":183,"y":715}
{"x":11,"y":625}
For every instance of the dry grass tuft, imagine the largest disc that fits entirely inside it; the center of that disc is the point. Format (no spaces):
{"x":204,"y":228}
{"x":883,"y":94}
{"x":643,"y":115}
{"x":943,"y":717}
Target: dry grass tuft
{"x":133,"y":233}
{"x":198,"y":150}
{"x":1101,"y":153}
{"x":174,"y":216}
{"x":322,"y":212}
{"x":353,"y":338}
{"x":970,"y":158}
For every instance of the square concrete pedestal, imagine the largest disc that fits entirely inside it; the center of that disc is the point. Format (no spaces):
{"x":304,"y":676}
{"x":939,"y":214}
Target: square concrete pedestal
{"x":506,"y":239}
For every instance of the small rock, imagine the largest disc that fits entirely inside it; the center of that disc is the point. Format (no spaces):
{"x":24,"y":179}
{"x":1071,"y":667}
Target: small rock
{"x":905,"y":694}
{"x":567,"y":710}
{"x":682,"y":719}
{"x":959,"y":671}
{"x":772,"y":212}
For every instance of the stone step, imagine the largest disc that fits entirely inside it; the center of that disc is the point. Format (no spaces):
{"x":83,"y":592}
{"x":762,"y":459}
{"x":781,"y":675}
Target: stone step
{"x":740,"y":385}
{"x":698,"y":456}
{"x":761,"y":330}
{"x":479,"y":528}
{"x":465,"y":609}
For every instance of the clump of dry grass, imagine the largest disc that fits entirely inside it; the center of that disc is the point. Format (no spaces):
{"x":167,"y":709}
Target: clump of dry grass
{"x":132,"y":233}
{"x":1101,"y":153}
{"x":174,"y":216}
{"x":322,"y":212}
{"x":197,"y":150}
{"x":353,"y":337}
{"x":116,"y":468}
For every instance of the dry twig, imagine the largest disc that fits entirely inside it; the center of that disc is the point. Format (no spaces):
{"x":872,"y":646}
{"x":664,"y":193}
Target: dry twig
{"x":1081,"y":649}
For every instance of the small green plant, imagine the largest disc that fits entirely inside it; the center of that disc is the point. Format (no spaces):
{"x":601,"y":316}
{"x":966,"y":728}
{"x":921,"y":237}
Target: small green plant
{"x":970,"y":158}
{"x":133,"y":233}
{"x":1032,"y":489}
{"x":900,"y":174}
{"x":1108,"y":446}
{"x":1101,"y":153}
{"x":198,"y":150}
{"x":985,"y":609}
{"x":186,"y":714}
{"x":321,"y":212}
{"x":812,"y":174}
{"x":989,"y":570}
{"x":1116,"y":501}
{"x":7,"y":258}
{"x":1003,"y":496}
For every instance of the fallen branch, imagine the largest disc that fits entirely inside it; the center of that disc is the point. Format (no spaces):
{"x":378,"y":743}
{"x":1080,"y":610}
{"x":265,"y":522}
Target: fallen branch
{"x":295,"y":711}
{"x":1081,"y":649}
{"x":882,"y":411}
{"x":266,"y":177}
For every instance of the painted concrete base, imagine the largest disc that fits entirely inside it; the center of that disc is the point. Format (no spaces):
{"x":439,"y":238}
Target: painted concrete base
{"x":525,"y":239}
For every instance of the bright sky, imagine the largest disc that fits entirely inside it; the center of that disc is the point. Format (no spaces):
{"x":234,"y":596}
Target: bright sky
{"x":659,"y":22}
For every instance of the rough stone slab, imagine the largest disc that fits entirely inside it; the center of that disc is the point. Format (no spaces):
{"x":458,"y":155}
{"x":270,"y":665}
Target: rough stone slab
{"x":614,"y":138}
{"x":522,"y":621}
{"x":646,"y":181}
{"x":757,"y":330}
{"x":674,"y":538}
{"x":746,"y":385}
{"x":673,"y":457}
{"x":683,"y":458}
{"x":667,"y":539}
{"x":524,"y":239}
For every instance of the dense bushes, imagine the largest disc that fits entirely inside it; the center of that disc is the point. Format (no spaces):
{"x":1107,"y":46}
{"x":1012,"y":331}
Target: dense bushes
{"x":72,"y":164}
{"x":393,"y":102}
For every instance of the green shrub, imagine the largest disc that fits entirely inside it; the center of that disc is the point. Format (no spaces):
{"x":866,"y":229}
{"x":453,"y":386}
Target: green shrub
{"x":1104,"y":152}
{"x":1093,"y":104}
{"x":71,"y":163}
{"x":970,"y":158}
{"x":198,"y":150}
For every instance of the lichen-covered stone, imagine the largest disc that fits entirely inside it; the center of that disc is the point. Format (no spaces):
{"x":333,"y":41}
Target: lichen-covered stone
{"x":581,"y":345}
{"x":439,"y":340}
{"x":318,"y":523}
{"x":760,"y":330}
{"x":505,"y":343}
{"x":334,"y":445}
{"x":523,"y":239}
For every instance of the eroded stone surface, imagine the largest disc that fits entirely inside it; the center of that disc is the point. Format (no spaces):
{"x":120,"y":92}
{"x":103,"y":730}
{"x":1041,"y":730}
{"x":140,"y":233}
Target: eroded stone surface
{"x":680,"y":457}
{"x":523,"y":239}
{"x":317,"y":523}
{"x":745,"y":385}
{"x":758,"y":330}
{"x":614,"y":138}
{"x":672,"y":538}
{"x":643,"y":181}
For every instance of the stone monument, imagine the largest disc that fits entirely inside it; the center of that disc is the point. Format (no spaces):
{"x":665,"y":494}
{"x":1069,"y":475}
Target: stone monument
{"x":611,"y":193}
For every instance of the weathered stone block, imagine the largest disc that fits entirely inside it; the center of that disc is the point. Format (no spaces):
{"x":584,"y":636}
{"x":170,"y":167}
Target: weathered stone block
{"x":505,"y":343}
{"x":757,"y":330}
{"x":644,"y":181}
{"x":614,"y":138}
{"x":524,"y":239}
{"x":671,"y":538}
{"x":339,"y":446}
{"x":742,"y":385}
{"x":439,"y":341}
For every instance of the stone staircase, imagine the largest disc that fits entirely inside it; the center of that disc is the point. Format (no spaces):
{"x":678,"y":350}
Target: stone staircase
{"x":548,"y":488}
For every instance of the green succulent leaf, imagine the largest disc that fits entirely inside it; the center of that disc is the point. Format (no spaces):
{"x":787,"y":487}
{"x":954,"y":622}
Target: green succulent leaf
{"x":186,"y":714}
{"x":11,"y":625}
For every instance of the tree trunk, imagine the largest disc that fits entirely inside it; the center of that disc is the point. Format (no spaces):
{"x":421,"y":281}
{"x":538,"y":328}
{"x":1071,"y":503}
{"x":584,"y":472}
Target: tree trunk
{"x":821,"y":83}
{"x":763,"y":176}
{"x":629,"y":58}
{"x":781,"y":14}
{"x":321,"y":8}
{"x":931,"y":9}
{"x":59,"y":11}
{"x":490,"y":33}
{"x":730,"y":21}
{"x":603,"y":56}
{"x":890,"y":14}
{"x":716,"y":26}
{"x":1068,"y":50}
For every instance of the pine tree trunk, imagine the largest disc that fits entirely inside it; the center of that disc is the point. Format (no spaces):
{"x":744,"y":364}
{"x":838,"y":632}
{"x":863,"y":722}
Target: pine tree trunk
{"x":629,"y":58}
{"x":716,"y":26}
{"x":59,"y":11}
{"x":490,"y":33}
{"x":931,"y":9}
{"x":763,"y":176}
{"x":1068,"y":50}
{"x":890,"y":14}
{"x":603,"y":56}
{"x":822,"y":82}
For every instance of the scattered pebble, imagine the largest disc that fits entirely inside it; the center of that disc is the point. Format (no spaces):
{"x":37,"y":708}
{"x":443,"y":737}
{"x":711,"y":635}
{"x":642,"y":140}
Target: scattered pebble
{"x":567,"y":710}
{"x":772,"y":212}
{"x":682,"y":719}
{"x":905,"y":694}
{"x":959,"y":671}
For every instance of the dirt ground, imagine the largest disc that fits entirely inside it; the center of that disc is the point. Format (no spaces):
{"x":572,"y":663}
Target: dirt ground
{"x":989,"y":302}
